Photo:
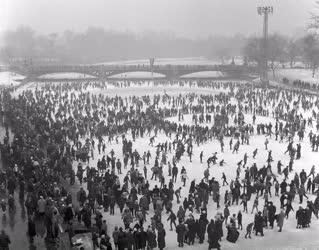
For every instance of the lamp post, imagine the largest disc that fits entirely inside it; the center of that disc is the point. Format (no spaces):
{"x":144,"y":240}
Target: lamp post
{"x":152,"y":60}
{"x":265,"y":11}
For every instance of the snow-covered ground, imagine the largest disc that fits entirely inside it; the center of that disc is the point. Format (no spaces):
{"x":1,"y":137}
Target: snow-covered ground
{"x":9,"y":78}
{"x":298,"y":74}
{"x":204,"y":74}
{"x":290,"y":238}
{"x":141,"y":74}
{"x":66,"y":75}
{"x":147,"y":88}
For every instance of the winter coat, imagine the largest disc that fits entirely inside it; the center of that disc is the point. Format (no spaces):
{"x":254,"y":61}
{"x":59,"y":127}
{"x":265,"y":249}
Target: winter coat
{"x":180,"y":230}
{"x":141,"y":238}
{"x":127,"y":217}
{"x":122,"y":241}
{"x":281,"y":218}
{"x":68,"y":215}
{"x":232,"y":234}
{"x":213,"y":239}
{"x":271,"y":212}
{"x":144,"y":203}
{"x":226,"y":212}
{"x":202,"y":225}
{"x":115,"y":236}
{"x":299,"y":217}
{"x":219,"y":228}
{"x":191,"y":226}
{"x":259,"y":222}
{"x":181,"y":214}
{"x":4,"y":242}
{"x":161,"y":238}
{"x":151,"y":239}
{"x":31,"y":229}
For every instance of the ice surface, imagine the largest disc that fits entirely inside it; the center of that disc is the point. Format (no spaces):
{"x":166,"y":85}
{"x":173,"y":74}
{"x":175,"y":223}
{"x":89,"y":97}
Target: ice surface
{"x":299,"y":74}
{"x":289,"y":238}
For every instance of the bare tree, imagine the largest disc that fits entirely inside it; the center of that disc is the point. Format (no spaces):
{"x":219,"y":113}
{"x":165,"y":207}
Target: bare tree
{"x":311,"y":51}
{"x":277,"y":52}
{"x":294,"y":50}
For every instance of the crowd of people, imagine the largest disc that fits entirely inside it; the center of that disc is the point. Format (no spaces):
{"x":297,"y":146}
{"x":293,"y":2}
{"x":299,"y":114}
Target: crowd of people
{"x":302,"y":84}
{"x":130,"y":157}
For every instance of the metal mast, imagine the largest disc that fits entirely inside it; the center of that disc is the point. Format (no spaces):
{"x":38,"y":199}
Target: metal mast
{"x":264,"y":11}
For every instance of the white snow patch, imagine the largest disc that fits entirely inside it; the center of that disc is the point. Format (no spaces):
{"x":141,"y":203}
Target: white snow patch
{"x":69,"y":75}
{"x":140,"y":74}
{"x":9,"y":78}
{"x":299,"y":74}
{"x":204,"y":74}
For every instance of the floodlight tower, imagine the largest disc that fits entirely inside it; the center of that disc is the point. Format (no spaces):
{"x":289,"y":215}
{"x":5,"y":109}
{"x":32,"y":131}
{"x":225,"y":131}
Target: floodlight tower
{"x":265,"y":11}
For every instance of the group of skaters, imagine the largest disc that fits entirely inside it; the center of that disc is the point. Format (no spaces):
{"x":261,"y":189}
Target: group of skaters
{"x":302,"y":84}
{"x":57,"y":136}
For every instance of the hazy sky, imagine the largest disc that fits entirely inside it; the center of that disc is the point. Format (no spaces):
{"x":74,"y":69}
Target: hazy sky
{"x":192,"y":18}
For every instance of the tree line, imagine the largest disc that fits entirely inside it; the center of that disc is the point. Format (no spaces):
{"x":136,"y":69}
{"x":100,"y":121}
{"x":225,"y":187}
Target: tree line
{"x":282,"y":51}
{"x":96,"y":45}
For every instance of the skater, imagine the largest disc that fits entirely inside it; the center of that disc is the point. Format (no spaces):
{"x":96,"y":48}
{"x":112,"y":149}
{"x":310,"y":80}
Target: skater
{"x":280,"y":220}
{"x":249,"y":229}
{"x":181,"y":231}
{"x":259,"y":224}
{"x":239,"y":220}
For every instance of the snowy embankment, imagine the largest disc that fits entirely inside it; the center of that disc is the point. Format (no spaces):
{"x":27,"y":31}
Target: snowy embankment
{"x":298,"y":74}
{"x":9,"y":78}
{"x":67,"y":75}
{"x":137,"y":75}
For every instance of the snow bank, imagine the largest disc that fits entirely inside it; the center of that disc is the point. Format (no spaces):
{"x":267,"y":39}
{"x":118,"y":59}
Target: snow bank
{"x":69,"y":75}
{"x":299,"y":74}
{"x":142,"y":74}
{"x":204,"y":74}
{"x":9,"y":78}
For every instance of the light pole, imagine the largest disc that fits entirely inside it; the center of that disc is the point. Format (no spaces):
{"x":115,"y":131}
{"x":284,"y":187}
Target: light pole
{"x":265,"y":11}
{"x":152,"y":60}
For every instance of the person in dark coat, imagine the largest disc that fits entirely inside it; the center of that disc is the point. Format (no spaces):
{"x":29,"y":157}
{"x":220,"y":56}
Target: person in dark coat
{"x":219,"y":226}
{"x":202,"y":227}
{"x":259,"y":223}
{"x":31,"y":229}
{"x":172,"y":219}
{"x":141,"y":237}
{"x":69,"y":214}
{"x":180,"y":230}
{"x":105,"y":243}
{"x":121,"y":239}
{"x":213,"y":238}
{"x":271,"y":214}
{"x":192,"y":229}
{"x":4,"y":240}
{"x":130,"y":239}
{"x":232,"y":233}
{"x":249,"y":229}
{"x":299,"y":217}
{"x":151,"y":239}
{"x":161,"y":237}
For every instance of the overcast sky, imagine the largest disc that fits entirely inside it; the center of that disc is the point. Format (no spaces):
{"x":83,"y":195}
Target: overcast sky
{"x":191,"y":18}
